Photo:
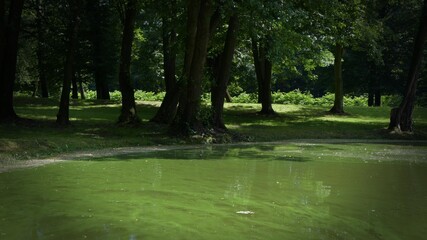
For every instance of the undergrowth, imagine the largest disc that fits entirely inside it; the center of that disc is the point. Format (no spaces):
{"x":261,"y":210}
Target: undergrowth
{"x":293,"y":97}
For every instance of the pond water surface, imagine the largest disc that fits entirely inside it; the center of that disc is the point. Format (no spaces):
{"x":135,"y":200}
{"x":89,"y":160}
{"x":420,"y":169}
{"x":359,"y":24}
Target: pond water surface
{"x":282,"y":191}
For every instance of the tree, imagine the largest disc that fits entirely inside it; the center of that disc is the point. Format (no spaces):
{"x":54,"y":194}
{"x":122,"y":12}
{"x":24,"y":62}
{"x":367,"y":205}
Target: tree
{"x":41,"y":49}
{"x":101,"y":31}
{"x":401,"y":117}
{"x":343,"y":26}
{"x":199,"y":15}
{"x":263,"y":70}
{"x":167,"y":110}
{"x":222,"y":72}
{"x":62,"y":117}
{"x":338,"y":80}
{"x":128,"y":113}
{"x":280,"y":42}
{"x":9,"y":35}
{"x":264,"y":16}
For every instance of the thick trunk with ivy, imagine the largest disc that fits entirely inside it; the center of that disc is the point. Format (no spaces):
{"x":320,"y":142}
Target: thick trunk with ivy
{"x":401,"y":117}
{"x":199,"y":16}
{"x":222,"y":74}
{"x":9,"y":34}
{"x":338,"y":107}
{"x":62,"y":118}
{"x":128,"y":111}
{"x":263,"y":70}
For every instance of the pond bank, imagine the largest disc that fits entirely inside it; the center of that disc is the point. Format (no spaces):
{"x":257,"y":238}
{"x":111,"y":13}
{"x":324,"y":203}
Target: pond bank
{"x":10,"y":165}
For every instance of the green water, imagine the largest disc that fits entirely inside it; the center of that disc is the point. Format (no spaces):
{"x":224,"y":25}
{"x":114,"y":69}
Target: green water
{"x":287,"y":191}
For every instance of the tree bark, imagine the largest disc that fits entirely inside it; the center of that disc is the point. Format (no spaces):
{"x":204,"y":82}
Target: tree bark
{"x":193,"y":8}
{"x":74,"y":90}
{"x":338,"y":107}
{"x":128,"y":113}
{"x":401,"y":117}
{"x":62,"y":118}
{"x":263,"y":70}
{"x":2,"y":33}
{"x":168,"y":108}
{"x":374,"y":94}
{"x":222,"y":75}
{"x":81,"y":90}
{"x":99,"y":49}
{"x":9,"y":35}
{"x":370,"y":98}
{"x":377,"y":97}
{"x":41,"y":49}
{"x":199,"y":15}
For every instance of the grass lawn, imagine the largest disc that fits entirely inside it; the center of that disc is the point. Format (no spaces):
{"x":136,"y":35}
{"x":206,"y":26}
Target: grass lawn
{"x":93,"y":127}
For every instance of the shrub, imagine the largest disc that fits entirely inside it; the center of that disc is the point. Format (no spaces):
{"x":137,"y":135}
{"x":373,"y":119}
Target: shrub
{"x":391,"y":100}
{"x":293,"y":97}
{"x":91,"y":95}
{"x":246,"y":98}
{"x":325,"y":100}
{"x":356,"y":101}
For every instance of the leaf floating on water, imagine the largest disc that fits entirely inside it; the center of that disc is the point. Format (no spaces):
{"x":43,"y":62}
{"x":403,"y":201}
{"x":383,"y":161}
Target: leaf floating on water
{"x":245,"y":212}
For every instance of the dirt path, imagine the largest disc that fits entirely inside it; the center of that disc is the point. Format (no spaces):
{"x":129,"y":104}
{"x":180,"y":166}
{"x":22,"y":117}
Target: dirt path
{"x":6,"y":166}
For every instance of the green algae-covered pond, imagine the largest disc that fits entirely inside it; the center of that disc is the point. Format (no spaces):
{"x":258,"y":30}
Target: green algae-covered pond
{"x":277,"y":191}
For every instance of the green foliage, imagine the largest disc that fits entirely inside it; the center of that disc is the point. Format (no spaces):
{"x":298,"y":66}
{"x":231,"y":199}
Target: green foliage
{"x":295,"y":97}
{"x":140,"y":95}
{"x":246,"y":98}
{"x":305,"y":98}
{"x":234,"y":89}
{"x":391,"y":100}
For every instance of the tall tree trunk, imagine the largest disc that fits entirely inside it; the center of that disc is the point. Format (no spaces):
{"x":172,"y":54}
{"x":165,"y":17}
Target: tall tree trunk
{"x":102,"y":89}
{"x":168,"y":108}
{"x":199,"y":16}
{"x":41,"y":49}
{"x":74,"y":90}
{"x":62,"y":118}
{"x":222,"y":75}
{"x":81,"y":90}
{"x":377,"y":97}
{"x":401,"y":117}
{"x":374,"y":93}
{"x":370,"y":98}
{"x":263,"y":70}
{"x":258,"y":66}
{"x":338,"y":107}
{"x":193,"y":8}
{"x":2,"y":32}
{"x":99,"y":49}
{"x":128,"y":112}
{"x":9,"y":50}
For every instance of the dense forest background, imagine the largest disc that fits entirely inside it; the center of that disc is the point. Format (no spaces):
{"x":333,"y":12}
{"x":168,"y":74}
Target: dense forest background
{"x":225,"y":48}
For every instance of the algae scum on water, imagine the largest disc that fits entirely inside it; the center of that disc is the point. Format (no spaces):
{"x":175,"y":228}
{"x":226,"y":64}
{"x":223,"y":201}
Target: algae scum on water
{"x":280,"y":191}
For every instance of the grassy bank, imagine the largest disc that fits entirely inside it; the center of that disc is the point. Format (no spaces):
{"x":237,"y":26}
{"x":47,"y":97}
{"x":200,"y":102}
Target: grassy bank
{"x":93,"y":127}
